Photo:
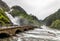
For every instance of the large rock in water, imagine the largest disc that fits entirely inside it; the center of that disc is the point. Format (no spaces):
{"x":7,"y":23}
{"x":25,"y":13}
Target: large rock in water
{"x":4,"y":6}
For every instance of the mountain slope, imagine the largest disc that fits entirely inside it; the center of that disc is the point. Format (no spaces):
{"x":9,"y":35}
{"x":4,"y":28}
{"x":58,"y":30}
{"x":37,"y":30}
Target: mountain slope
{"x":48,"y":20}
{"x":4,"y":6}
{"x":4,"y":20}
{"x":21,"y":13}
{"x":53,"y":21}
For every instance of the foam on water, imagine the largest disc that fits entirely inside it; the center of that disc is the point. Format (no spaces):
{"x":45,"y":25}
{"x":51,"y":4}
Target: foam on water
{"x":45,"y":33}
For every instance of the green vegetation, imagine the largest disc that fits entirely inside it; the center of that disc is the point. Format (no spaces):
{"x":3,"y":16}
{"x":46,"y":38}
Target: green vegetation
{"x":4,"y":20}
{"x":18,"y":11}
{"x":48,"y":20}
{"x":53,"y":20}
{"x":56,"y":24}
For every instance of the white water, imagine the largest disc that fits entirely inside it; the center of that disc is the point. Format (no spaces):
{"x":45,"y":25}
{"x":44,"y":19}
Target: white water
{"x":14,"y":20}
{"x":45,"y":34}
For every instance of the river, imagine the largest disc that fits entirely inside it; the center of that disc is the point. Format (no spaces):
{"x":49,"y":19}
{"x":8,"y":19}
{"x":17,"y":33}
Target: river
{"x":38,"y":34}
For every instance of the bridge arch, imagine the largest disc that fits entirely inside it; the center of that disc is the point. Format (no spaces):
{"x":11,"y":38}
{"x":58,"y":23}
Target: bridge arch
{"x":18,"y":31}
{"x":4,"y":35}
{"x":25,"y":29}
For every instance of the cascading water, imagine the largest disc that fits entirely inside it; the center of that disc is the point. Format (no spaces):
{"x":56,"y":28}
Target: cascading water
{"x":44,"y":34}
{"x":14,"y":20}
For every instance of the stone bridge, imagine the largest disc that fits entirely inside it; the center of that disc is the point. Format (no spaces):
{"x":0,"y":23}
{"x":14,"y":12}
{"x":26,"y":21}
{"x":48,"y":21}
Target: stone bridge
{"x":14,"y":30}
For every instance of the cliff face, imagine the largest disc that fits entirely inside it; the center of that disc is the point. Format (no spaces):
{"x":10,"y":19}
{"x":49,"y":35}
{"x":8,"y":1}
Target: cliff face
{"x":4,"y":6}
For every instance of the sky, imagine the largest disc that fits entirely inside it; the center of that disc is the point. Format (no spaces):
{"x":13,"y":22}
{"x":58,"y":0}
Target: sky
{"x":40,"y":8}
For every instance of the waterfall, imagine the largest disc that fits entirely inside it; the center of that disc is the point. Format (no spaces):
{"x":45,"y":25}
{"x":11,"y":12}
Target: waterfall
{"x":14,"y":20}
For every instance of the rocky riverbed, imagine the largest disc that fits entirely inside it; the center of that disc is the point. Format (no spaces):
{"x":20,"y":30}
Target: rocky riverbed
{"x":44,"y":34}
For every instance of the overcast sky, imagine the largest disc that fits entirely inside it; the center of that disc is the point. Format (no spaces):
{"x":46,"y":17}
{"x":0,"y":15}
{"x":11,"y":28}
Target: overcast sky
{"x":39,"y":8}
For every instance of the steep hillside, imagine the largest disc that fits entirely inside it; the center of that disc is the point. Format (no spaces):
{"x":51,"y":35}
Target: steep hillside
{"x":18,"y":11}
{"x":48,"y":20}
{"x":4,"y":20}
{"x":53,"y":20}
{"x":4,"y":6}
